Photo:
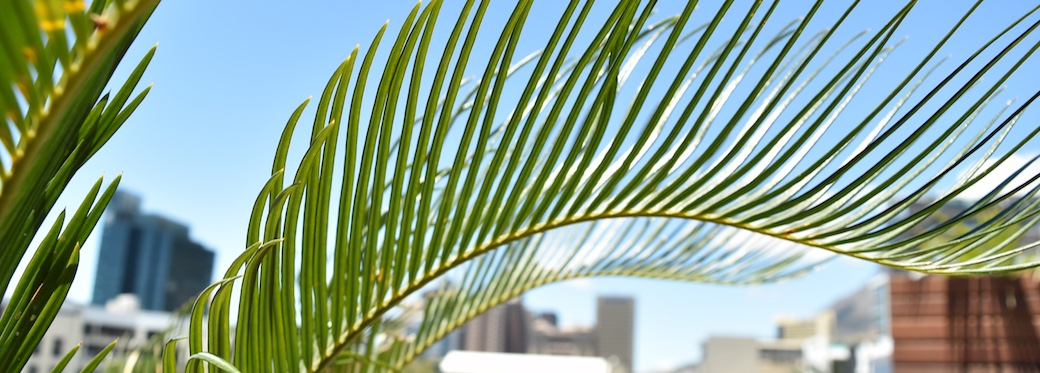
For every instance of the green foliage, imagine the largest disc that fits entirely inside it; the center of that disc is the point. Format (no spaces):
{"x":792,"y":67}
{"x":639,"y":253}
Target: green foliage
{"x":649,"y":148}
{"x":637,"y":151}
{"x":420,"y":366}
{"x":56,"y":57}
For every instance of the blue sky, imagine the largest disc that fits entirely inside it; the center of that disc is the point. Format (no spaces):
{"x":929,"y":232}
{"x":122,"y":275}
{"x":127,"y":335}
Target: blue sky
{"x":228,"y":74}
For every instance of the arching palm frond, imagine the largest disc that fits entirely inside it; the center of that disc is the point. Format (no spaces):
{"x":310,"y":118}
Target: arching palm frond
{"x":56,"y":57}
{"x":640,"y":247}
{"x":646,"y":148}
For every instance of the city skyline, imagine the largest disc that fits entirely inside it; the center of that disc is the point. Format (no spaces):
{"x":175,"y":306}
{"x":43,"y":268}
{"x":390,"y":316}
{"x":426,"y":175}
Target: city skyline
{"x":567,"y":317}
{"x":513,"y":328}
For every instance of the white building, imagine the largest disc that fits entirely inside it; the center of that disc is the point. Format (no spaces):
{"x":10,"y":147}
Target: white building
{"x":547,"y":338}
{"x":95,"y":327}
{"x":800,"y":345}
{"x":497,"y":362}
{"x":853,"y":335}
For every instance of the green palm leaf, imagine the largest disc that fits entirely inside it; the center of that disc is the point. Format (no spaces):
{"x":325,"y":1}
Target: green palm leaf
{"x":721,"y":153}
{"x":643,"y":247}
{"x":56,"y":57}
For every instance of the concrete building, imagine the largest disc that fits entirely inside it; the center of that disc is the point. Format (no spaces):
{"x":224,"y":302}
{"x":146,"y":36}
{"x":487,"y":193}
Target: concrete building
{"x":516,"y":322}
{"x":615,"y":329}
{"x":782,"y":356}
{"x":547,"y":338}
{"x":511,"y":328}
{"x":801,"y":345}
{"x":723,"y":354}
{"x":149,"y":256}
{"x":95,"y":327}
{"x":485,"y":332}
{"x":729,"y":355}
{"x":500,"y":329}
{"x":790,"y":328}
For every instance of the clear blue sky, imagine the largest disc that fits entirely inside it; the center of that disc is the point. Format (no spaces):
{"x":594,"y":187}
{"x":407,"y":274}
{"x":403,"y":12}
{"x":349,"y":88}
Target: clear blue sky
{"x":227,"y":75}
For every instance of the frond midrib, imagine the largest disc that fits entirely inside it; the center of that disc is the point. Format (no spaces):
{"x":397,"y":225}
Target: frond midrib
{"x":72,"y":82}
{"x":397,"y":297}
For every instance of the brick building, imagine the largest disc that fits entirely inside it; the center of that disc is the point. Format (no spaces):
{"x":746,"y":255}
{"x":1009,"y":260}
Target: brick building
{"x":978,"y":324}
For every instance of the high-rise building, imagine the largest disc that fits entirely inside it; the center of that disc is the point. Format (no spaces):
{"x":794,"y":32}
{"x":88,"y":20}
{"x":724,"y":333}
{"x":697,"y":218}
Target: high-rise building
{"x":484,"y":332}
{"x":500,"y":329}
{"x":615,"y":329}
{"x":517,"y":322}
{"x":149,"y":256}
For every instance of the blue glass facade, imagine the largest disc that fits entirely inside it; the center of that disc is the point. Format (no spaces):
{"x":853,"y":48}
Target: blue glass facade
{"x":149,"y":256}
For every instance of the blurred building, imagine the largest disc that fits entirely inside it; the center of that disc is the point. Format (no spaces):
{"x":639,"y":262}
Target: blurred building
{"x":547,"y":338}
{"x":800,"y":345}
{"x":615,"y":320}
{"x":790,"y":328}
{"x":729,"y":354}
{"x":516,"y":324}
{"x":978,"y":324}
{"x":95,"y":327}
{"x":510,"y":328}
{"x":903,"y":323}
{"x":485,"y":332}
{"x":851,"y":336}
{"x":500,"y":329}
{"x":149,"y":256}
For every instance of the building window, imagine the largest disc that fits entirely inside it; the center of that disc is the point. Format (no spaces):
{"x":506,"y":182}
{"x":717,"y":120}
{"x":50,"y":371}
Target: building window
{"x":780,"y":356}
{"x":57,"y":347}
{"x":115,"y":331}
{"x":94,"y":350}
{"x":130,"y":274}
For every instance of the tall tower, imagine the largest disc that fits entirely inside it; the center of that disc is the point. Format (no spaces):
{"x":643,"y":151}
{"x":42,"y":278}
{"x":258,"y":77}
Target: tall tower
{"x":516,"y":326}
{"x":149,"y":256}
{"x":503,"y":328}
{"x":485,"y":332}
{"x":615,"y":329}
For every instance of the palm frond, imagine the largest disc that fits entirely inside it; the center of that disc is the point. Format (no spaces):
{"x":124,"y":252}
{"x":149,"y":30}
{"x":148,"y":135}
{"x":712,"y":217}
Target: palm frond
{"x":56,"y":57}
{"x":658,"y":248}
{"x":55,"y":118}
{"x":48,"y":275}
{"x":648,"y":148}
